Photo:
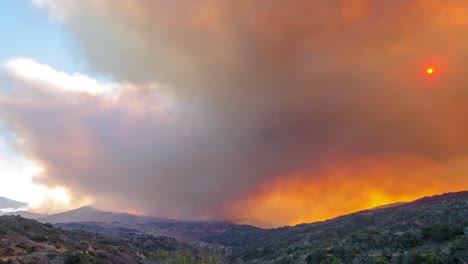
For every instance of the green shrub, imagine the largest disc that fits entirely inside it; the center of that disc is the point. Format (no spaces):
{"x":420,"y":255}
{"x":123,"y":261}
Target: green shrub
{"x":39,"y":238}
{"x":73,"y":259}
{"x":159,"y":255}
{"x":30,"y":250}
{"x":380,"y":260}
{"x":316,"y":256}
{"x":409,"y":240}
{"x":181,"y":258}
{"x":51,"y":256}
{"x":213,"y":257}
{"x":101,"y":255}
{"x":431,"y":258}
{"x":438,"y":233}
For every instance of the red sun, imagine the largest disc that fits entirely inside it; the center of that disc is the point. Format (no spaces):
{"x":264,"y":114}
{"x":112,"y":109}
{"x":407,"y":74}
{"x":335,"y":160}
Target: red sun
{"x":430,"y":71}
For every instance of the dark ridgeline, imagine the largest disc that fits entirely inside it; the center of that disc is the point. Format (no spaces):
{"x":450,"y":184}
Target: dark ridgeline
{"x":428,"y":230}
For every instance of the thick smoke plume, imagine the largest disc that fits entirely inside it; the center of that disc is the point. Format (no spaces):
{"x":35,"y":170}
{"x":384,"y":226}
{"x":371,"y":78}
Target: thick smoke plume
{"x":255,"y":108}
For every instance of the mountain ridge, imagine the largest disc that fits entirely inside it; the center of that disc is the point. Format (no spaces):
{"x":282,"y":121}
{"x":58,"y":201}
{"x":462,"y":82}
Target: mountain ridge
{"x":11,"y":205}
{"x":90,"y":214}
{"x":426,"y":225}
{"x":111,"y":223}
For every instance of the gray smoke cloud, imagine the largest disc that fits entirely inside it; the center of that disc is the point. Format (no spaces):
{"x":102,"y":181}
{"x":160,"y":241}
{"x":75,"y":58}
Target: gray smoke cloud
{"x":248,"y":92}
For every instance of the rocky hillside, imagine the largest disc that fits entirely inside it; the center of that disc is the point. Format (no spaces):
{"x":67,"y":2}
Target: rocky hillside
{"x":28,"y":241}
{"x":429,"y":230}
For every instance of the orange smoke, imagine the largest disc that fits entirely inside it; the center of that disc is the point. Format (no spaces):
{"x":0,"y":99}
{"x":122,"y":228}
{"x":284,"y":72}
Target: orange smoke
{"x":346,"y":187}
{"x":260,"y":90}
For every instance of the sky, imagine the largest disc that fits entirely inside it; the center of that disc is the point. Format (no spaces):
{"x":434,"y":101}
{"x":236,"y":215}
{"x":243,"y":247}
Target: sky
{"x":28,"y":32}
{"x":257,"y":112}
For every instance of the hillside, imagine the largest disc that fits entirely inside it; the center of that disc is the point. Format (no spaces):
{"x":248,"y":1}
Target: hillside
{"x":428,"y":230}
{"x":89,"y":214}
{"x":432,"y":230}
{"x":28,"y":241}
{"x":180,"y":230}
{"x":110,"y":223}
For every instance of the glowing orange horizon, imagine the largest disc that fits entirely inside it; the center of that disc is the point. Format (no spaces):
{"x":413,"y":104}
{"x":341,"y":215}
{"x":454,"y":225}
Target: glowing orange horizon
{"x":347,"y":187}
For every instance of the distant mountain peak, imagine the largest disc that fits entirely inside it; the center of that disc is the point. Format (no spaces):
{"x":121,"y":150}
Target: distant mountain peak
{"x":85,"y":208}
{"x":7,"y":205}
{"x":91,"y":214}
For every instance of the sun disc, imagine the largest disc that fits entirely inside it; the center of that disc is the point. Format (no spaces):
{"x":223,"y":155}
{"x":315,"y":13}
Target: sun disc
{"x":430,"y":70}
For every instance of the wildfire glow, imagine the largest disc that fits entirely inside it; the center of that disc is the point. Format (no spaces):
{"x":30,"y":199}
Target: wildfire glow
{"x":60,"y":195}
{"x":345,"y":188}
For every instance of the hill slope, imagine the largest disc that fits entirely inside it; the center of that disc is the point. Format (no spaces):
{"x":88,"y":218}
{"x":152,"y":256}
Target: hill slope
{"x":89,"y":214}
{"x":180,"y":230}
{"x":428,"y":228}
{"x":28,"y":241}
{"x":431,"y":230}
{"x":110,"y":223}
